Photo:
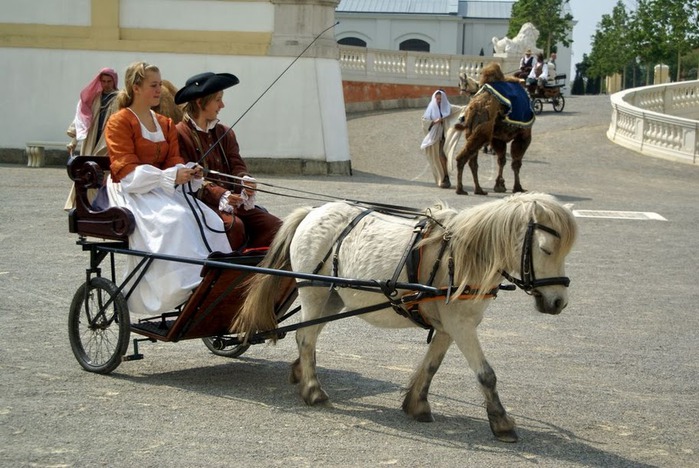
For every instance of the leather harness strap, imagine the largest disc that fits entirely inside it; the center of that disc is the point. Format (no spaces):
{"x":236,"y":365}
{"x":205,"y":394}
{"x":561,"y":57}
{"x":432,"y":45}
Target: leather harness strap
{"x":338,"y":243}
{"x":408,"y":305}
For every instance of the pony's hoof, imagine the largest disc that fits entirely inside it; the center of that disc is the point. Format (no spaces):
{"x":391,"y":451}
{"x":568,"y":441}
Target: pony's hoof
{"x":508,"y":436}
{"x":499,"y":189}
{"x":518,"y":190}
{"x":424,"y":417}
{"x":461,"y":192}
{"x":316,"y":396}
{"x":480,"y":192}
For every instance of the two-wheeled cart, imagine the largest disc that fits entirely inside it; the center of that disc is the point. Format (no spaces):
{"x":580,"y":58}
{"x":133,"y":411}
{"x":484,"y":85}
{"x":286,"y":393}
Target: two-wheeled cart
{"x":99,"y":323}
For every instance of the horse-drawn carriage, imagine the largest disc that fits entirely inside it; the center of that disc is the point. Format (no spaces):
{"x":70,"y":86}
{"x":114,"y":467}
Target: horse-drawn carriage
{"x":549,"y":93}
{"x":394,"y":266}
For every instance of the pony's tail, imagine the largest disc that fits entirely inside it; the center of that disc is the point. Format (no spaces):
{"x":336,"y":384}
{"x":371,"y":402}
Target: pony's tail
{"x":258,"y":312}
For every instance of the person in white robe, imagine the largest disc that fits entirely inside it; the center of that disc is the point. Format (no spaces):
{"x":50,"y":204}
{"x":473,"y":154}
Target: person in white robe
{"x":439,"y":116}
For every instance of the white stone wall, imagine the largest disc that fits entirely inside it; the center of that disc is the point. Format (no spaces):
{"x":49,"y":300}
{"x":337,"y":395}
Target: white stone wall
{"x":301,"y":117}
{"x":287,"y":122}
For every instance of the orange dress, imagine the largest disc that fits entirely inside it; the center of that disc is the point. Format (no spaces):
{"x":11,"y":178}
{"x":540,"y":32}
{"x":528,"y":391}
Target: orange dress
{"x":143,"y":169}
{"x":128,"y":148}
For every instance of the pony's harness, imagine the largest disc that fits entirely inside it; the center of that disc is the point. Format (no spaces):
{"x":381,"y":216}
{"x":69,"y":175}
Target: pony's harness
{"x":406,"y":305}
{"x":529,"y":282}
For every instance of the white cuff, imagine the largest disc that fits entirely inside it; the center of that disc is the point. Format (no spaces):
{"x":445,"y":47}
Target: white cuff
{"x":223,"y":204}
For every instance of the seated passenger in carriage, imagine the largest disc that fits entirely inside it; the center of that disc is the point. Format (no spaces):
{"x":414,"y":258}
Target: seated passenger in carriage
{"x":233,"y":198}
{"x":538,"y":75}
{"x":526,"y":64}
{"x":149,"y":177}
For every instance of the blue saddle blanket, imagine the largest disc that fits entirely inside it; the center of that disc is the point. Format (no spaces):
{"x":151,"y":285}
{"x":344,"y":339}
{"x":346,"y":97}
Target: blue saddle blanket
{"x":515,"y":98}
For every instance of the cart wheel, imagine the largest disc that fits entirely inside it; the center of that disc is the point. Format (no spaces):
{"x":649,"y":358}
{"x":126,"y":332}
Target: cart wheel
{"x":538,"y":106}
{"x":227,"y":351}
{"x":559,"y":103}
{"x":99,"y":332}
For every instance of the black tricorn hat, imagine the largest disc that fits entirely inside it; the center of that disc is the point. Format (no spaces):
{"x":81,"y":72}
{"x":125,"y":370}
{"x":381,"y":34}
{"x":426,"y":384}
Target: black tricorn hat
{"x":204,"y":84}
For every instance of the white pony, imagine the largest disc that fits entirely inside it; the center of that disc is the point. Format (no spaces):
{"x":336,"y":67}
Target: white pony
{"x":526,"y":234}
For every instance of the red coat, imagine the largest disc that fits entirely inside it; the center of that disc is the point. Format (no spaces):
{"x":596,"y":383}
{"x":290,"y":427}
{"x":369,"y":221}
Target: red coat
{"x":247,"y":228}
{"x":225,"y":158}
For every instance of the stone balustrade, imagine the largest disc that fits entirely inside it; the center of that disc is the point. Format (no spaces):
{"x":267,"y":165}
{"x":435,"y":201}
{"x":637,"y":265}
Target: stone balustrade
{"x":660,"y":120}
{"x":407,"y":67}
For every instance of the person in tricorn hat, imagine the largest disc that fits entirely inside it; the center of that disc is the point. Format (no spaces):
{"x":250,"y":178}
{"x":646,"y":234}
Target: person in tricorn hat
{"x":246,"y":224}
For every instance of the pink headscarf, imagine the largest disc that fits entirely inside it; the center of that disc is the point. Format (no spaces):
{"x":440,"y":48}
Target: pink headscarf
{"x":83,"y":116}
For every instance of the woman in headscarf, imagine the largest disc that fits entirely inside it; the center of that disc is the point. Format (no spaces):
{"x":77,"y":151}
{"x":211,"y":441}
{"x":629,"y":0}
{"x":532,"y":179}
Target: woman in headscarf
{"x":97,"y":102}
{"x":207,"y":142}
{"x":434,"y":123}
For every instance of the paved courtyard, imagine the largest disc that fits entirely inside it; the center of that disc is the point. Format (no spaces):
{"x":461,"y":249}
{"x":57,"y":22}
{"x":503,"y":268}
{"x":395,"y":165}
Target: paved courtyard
{"x":611,"y":382}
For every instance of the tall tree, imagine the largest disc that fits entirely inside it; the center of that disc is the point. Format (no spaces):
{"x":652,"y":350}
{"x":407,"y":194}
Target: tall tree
{"x":681,"y":21}
{"x":548,"y":16}
{"x":611,"y":52}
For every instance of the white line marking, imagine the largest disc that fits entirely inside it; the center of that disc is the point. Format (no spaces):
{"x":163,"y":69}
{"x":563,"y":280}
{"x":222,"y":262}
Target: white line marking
{"x":640,"y":215}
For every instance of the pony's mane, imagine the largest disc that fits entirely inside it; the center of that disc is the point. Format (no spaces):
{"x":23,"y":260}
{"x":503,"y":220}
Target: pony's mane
{"x":488,"y":237}
{"x":440,"y":212}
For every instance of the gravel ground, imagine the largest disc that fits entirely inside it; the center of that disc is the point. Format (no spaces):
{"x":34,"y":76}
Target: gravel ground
{"x":610,"y":382}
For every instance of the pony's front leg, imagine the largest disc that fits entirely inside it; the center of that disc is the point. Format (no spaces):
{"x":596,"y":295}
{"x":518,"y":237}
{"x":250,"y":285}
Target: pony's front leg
{"x":303,"y":370}
{"x":415,"y":402}
{"x":464,"y":333}
{"x":501,"y":423}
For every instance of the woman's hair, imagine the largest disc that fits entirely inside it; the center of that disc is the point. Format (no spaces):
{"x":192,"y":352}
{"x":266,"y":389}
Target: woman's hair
{"x":193,"y":108}
{"x":167,"y":106}
{"x":135,"y":74}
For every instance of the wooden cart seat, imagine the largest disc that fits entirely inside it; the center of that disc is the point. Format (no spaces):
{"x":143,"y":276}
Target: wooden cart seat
{"x":88,"y":172}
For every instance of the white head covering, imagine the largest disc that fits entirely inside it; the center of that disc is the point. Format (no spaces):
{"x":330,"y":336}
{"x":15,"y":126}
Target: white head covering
{"x":432,"y":111}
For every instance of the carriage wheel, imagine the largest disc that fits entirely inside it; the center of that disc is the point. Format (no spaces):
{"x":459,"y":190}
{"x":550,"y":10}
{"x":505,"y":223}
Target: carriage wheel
{"x":559,"y":103}
{"x":228,"y":351}
{"x":538,"y":106}
{"x":99,"y":332}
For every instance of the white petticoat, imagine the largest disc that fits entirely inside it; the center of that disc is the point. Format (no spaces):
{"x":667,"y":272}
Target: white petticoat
{"x":166,"y":225}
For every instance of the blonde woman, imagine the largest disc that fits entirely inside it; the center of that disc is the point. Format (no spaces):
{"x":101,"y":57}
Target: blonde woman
{"x":149,"y":177}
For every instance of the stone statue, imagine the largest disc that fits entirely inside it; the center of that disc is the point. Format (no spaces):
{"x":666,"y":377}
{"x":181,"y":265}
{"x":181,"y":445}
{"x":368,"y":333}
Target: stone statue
{"x":525,"y":39}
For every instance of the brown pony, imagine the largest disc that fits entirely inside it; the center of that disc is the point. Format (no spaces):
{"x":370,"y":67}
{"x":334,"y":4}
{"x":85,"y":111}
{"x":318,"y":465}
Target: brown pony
{"x":483,"y":123}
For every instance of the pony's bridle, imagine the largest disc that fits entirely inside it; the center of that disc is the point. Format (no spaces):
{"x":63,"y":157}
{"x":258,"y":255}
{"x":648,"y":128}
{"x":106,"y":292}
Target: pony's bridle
{"x":529,"y":283}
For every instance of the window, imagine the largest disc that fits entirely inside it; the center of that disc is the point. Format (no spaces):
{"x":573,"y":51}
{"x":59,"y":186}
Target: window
{"x":416,"y":45}
{"x":352,"y":41}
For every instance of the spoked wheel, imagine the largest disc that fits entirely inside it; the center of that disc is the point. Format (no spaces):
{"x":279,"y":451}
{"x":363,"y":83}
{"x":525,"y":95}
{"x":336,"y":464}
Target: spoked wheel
{"x":217,"y":347}
{"x":538,"y":106}
{"x":559,"y":102}
{"x":99,"y":326}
